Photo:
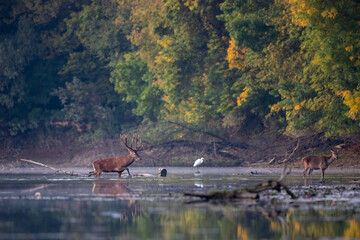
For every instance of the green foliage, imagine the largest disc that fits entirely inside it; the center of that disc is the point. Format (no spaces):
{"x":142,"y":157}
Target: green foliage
{"x":329,"y":52}
{"x":249,"y":23}
{"x":16,"y":52}
{"x":91,"y":41}
{"x":132,"y":80}
{"x":88,"y":104}
{"x":185,"y":51}
{"x":289,"y":64}
{"x":302,"y":70}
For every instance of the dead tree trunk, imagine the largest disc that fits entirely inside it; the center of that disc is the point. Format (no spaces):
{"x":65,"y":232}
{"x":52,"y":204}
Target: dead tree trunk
{"x":52,"y":168}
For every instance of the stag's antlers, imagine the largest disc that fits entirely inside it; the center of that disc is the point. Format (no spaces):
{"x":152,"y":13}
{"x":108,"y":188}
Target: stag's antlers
{"x":134,"y":141}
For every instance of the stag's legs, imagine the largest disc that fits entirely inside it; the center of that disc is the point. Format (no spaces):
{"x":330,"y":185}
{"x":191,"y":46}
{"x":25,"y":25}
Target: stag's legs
{"x":322,"y":174}
{"x":98,"y":172}
{"x":119,"y":173}
{"x":305,"y":170}
{"x":310,"y":171}
{"x":127,"y":169}
{"x":95,"y":172}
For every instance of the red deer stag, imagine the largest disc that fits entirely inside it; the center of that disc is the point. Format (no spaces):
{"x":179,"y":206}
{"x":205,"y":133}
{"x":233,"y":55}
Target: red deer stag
{"x":318,"y":162}
{"x":118,"y":164}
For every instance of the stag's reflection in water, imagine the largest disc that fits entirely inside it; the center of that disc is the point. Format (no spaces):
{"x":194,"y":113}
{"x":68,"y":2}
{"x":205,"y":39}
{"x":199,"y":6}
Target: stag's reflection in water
{"x":310,"y":181}
{"x":120,"y":191}
{"x":114,"y":189}
{"x":307,"y":182}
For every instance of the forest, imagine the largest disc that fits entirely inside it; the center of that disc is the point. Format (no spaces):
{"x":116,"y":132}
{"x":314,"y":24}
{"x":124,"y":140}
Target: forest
{"x":215,"y":72}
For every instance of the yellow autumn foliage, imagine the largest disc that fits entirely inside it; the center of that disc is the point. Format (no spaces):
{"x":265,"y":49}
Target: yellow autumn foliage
{"x":243,"y":96}
{"x":349,"y":48}
{"x":299,"y":7}
{"x":191,"y":110}
{"x":236,"y":56}
{"x":165,"y":43}
{"x":316,"y":60}
{"x":330,"y":14}
{"x":192,"y":4}
{"x":352,"y":100}
{"x":275,"y":108}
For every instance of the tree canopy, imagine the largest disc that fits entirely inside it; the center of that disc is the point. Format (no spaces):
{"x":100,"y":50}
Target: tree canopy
{"x":292,"y":66}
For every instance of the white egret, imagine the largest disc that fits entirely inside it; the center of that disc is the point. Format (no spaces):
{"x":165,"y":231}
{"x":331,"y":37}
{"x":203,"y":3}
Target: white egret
{"x":197,"y":163}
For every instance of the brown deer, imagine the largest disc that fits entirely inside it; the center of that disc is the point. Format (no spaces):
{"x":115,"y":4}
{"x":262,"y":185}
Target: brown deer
{"x":118,"y":164}
{"x":318,"y":162}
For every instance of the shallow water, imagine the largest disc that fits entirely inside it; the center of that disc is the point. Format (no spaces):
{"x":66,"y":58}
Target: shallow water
{"x":39,"y":204}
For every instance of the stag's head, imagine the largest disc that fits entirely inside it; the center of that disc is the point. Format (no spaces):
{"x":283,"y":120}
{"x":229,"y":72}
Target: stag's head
{"x":132,"y":149}
{"x":334,"y":153}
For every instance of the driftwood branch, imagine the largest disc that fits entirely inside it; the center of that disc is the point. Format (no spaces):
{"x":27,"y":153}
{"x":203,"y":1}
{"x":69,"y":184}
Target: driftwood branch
{"x":286,"y":171}
{"x":223,"y":195}
{"x":272,"y":185}
{"x":287,"y":158}
{"x":249,"y":193}
{"x":52,"y":168}
{"x":271,"y":161}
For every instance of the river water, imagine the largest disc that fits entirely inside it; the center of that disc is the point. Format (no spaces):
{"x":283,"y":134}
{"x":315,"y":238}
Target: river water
{"x":36,"y":203}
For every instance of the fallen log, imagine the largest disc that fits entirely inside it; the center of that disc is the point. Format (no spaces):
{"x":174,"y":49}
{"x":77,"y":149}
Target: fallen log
{"x":224,"y":195}
{"x":248,"y":193}
{"x":52,"y":168}
{"x":271,"y":185}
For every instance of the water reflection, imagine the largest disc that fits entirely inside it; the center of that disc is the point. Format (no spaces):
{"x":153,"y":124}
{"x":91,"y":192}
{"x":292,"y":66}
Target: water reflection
{"x":163,"y":220}
{"x":115,"y":189}
{"x":37,"y":188}
{"x":310,"y":181}
{"x":276,"y":218}
{"x":330,"y":224}
{"x":141,"y":208}
{"x":121,"y":191}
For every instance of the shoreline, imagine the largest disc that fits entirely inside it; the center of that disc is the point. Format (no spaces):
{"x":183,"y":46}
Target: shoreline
{"x":252,"y":171}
